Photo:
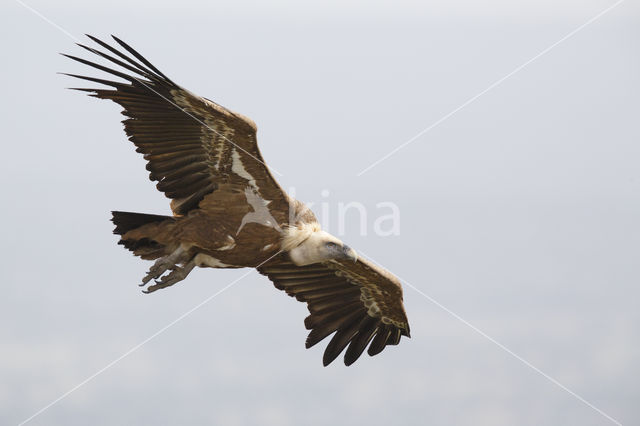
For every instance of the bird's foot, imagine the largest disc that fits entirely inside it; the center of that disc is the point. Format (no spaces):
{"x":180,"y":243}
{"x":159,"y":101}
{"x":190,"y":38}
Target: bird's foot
{"x":162,"y":265}
{"x":177,"y":274}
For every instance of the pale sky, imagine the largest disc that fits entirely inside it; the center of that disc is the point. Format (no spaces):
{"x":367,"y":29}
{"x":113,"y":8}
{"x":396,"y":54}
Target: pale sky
{"x":519,"y":214}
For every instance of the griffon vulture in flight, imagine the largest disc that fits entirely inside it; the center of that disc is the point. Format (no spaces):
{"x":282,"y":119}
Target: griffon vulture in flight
{"x":229,"y":211}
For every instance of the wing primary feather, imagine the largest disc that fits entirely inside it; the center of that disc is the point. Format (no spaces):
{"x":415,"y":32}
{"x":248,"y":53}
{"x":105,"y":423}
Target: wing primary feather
{"x":379,"y":341}
{"x":95,"y":80}
{"x":340,"y":341}
{"x":322,"y":331}
{"x":366,"y":331}
{"x":394,"y":339}
{"x":140,"y":57}
{"x":110,"y":58}
{"x":102,"y":68}
{"x":84,"y":89}
{"x":121,"y":55}
{"x":406,"y":331}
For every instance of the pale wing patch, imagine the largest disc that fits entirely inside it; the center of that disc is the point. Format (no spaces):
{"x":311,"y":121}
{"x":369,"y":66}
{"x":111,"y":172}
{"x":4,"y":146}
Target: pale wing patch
{"x":237,"y":167}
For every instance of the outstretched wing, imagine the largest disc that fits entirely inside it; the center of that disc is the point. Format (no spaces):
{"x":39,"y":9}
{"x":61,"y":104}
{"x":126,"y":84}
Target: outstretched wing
{"x":192,"y":144}
{"x":360,"y":302}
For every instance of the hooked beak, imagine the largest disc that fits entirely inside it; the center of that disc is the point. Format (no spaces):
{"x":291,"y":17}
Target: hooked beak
{"x":350,"y":253}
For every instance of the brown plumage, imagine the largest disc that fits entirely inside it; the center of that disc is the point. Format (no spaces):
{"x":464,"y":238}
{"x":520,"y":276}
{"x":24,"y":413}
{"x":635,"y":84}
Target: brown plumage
{"x":229,"y":211}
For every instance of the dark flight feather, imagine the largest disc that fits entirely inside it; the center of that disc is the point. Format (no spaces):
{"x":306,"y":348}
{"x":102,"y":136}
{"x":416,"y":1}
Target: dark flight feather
{"x":336,"y":305}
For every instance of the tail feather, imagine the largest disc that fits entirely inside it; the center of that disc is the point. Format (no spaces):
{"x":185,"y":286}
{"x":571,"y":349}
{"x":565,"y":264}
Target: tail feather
{"x":126,"y":221}
{"x":146,"y":248}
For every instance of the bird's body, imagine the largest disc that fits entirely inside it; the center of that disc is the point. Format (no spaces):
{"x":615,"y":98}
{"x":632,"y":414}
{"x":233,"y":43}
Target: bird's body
{"x":229,"y":212}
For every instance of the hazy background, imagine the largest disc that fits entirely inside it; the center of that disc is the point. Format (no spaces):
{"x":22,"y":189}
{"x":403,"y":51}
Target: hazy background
{"x":520,"y":213}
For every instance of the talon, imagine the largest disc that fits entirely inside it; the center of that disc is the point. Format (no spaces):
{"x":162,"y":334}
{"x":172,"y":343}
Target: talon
{"x":176,"y":275}
{"x":162,"y":265}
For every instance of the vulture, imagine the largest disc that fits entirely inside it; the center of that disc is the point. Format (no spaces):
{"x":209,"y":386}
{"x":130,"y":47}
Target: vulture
{"x":228,"y":211}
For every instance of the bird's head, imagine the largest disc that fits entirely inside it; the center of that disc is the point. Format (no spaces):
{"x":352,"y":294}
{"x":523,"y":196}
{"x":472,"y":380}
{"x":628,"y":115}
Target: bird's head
{"x":321,"y":246}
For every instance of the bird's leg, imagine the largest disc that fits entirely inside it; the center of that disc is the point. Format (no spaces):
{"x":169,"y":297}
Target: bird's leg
{"x":177,"y":274}
{"x":162,"y":265}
